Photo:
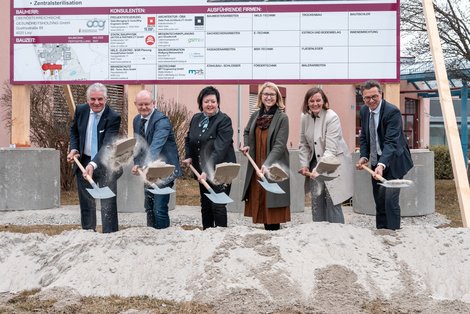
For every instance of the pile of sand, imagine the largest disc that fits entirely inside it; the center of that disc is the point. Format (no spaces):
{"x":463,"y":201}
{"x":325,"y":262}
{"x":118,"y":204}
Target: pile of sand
{"x":306,"y":266}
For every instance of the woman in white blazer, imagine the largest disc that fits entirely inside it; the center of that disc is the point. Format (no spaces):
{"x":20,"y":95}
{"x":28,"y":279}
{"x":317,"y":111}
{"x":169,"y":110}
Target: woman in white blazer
{"x":321,"y":137}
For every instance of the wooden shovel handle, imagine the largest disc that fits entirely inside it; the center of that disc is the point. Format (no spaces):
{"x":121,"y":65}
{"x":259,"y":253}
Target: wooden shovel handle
{"x":255,"y":166}
{"x":79,"y":164}
{"x":206,"y":185}
{"x":139,"y":170}
{"x":377,"y":176}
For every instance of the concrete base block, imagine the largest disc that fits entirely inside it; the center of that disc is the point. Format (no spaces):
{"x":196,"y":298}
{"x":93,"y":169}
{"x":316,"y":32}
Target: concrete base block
{"x":29,"y":178}
{"x":416,"y":200}
{"x":297,"y":196}
{"x":130,"y":193}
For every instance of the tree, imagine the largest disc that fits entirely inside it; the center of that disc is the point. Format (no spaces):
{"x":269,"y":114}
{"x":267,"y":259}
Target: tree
{"x":179,"y":116}
{"x":453,"y":21}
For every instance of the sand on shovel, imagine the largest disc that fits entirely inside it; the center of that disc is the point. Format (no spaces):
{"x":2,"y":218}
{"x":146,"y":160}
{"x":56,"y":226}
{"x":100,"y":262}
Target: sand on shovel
{"x":123,"y":151}
{"x":158,"y":170}
{"x":225,"y":173}
{"x":276,"y":173}
{"x":327,"y":165}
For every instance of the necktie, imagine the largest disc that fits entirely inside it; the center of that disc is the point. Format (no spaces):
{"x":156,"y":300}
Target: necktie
{"x":142,"y":127}
{"x":94,"y":136}
{"x":373,"y":140}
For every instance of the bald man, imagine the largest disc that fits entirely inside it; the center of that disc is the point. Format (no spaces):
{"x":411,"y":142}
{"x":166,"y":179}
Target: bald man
{"x":154,"y":128}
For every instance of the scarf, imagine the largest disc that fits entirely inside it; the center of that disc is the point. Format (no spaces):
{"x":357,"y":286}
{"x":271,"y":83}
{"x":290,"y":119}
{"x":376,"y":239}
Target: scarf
{"x":204,"y":123}
{"x":265,"y":117}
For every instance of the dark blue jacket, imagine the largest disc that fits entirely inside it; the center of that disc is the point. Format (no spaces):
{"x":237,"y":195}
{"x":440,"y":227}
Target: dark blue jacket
{"x":396,"y":155}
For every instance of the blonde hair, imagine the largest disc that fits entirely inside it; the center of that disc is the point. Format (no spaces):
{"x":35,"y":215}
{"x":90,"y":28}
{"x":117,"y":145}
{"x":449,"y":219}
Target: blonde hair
{"x":279,"y":100}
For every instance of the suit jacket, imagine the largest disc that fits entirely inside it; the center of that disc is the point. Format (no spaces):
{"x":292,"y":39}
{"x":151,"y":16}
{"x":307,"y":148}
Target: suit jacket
{"x":161,"y":143}
{"x":396,"y":155}
{"x":212,"y":147}
{"x":108,"y":130}
{"x":323,"y":137}
{"x":278,"y":134}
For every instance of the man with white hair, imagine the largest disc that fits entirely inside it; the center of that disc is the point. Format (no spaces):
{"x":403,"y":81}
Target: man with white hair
{"x":95,"y":126}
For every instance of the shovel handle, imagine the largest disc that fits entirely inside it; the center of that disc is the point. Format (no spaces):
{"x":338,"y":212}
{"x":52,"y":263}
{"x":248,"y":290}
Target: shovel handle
{"x":255,"y":166}
{"x":139,"y":170}
{"x":377,"y":176}
{"x":206,"y":185}
{"x":87,"y":177}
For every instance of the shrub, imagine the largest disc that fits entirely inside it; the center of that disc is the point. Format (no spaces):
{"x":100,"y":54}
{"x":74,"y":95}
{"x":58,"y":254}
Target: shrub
{"x":442,"y":162}
{"x":179,"y":116}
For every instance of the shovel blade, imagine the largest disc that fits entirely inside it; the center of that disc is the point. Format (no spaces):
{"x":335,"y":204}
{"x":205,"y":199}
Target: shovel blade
{"x":156,"y":190}
{"x":101,"y":193}
{"x":219,"y":198}
{"x":271,"y":187}
{"x":395,"y":185}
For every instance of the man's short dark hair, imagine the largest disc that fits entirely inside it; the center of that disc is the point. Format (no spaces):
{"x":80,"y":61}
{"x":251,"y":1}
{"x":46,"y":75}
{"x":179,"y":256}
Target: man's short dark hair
{"x":371,"y":84}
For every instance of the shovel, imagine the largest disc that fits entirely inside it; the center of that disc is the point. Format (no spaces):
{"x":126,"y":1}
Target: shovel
{"x":277,"y":174}
{"x":270,"y":187}
{"x":396,"y":183}
{"x":225,"y":173}
{"x":218,"y":198}
{"x":96,"y":192}
{"x":124,"y":150}
{"x":155,"y":189}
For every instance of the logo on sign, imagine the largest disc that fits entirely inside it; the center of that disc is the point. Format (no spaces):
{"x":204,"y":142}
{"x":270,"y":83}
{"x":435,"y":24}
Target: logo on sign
{"x":199,"y":20}
{"x":95,"y":23}
{"x":151,"y":21}
{"x":196,"y":72}
{"x":150,"y":40}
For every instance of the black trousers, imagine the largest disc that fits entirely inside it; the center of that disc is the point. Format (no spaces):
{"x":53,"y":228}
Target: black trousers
{"x":102,"y":177}
{"x":387,"y":204}
{"x":213,"y":215}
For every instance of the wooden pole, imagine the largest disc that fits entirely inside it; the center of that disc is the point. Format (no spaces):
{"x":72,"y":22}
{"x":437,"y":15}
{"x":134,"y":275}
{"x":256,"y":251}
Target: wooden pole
{"x":132,"y":91}
{"x":392,"y":93}
{"x":20,"y":115}
{"x":69,"y":99}
{"x":450,"y":123}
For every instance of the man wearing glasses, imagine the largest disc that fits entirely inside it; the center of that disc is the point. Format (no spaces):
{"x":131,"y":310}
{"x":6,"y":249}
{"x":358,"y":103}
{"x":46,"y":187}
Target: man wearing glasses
{"x":383,"y":145}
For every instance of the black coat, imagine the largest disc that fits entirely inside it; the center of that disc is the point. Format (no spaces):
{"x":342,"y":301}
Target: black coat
{"x":212,"y":147}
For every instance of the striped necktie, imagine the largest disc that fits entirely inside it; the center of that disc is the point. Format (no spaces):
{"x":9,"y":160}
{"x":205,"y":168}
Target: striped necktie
{"x":142,"y":127}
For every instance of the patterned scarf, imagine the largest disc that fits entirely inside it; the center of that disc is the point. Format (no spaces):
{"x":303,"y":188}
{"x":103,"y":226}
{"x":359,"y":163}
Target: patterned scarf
{"x":264,"y":118}
{"x":204,"y":123}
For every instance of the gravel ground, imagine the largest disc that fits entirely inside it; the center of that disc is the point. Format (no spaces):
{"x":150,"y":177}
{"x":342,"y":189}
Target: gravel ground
{"x":190,"y":215}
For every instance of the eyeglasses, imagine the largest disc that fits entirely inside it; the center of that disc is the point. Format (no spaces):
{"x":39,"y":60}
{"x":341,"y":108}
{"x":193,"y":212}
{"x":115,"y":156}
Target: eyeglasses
{"x":269,"y":95}
{"x":369,"y":98}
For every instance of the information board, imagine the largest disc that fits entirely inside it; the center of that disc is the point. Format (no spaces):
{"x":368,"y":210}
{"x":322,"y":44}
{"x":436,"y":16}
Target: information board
{"x":196,"y":41}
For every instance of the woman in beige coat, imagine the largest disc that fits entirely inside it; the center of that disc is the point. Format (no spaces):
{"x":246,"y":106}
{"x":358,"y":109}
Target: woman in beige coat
{"x":321,"y":137}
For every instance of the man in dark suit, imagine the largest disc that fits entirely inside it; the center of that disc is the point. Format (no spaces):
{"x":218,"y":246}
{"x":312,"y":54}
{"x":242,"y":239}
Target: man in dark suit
{"x":154,"y":129}
{"x":95,"y":126}
{"x":383,"y":144}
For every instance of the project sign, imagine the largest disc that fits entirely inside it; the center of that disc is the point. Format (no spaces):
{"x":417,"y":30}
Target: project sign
{"x":204,"y":41}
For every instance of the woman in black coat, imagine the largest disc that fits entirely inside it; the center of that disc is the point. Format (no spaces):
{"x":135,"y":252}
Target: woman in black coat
{"x":210,"y":142}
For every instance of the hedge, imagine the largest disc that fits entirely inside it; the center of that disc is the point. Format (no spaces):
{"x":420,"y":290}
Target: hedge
{"x":442,"y":162}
